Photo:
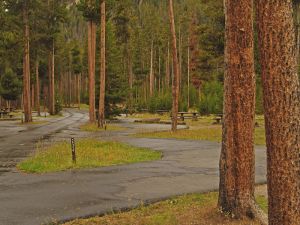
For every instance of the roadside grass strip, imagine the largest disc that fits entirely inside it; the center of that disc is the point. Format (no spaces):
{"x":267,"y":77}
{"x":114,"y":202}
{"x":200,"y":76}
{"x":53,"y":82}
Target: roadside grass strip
{"x":200,"y":209}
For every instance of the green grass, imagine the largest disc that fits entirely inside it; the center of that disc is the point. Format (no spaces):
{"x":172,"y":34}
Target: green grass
{"x":92,"y":127}
{"x":90,"y":153}
{"x":198,"y":209}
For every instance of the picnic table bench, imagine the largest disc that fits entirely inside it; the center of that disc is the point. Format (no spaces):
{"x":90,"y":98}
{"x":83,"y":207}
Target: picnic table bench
{"x":4,"y":114}
{"x":162,"y":111}
{"x":188,"y":115}
{"x":218,"y":118}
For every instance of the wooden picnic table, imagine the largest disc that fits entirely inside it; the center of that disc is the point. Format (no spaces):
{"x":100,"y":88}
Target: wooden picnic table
{"x":4,"y":114}
{"x":218,"y":118}
{"x":162,"y":111}
{"x":188,"y":115}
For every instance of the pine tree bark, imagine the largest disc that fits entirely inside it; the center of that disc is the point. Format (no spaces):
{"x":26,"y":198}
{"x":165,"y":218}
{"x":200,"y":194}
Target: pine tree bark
{"x":26,"y":67}
{"x":151,"y":75}
{"x":37,"y":80}
{"x":237,"y":174}
{"x":51,"y":80}
{"x":102,"y":67}
{"x":168,"y":67}
{"x":78,"y":90}
{"x":91,"y":68}
{"x":281,"y":92}
{"x":175,"y":83}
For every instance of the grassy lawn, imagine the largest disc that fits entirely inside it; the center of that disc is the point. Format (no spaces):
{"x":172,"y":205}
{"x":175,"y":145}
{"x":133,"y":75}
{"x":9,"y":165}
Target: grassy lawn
{"x":92,"y":127}
{"x":90,"y":153}
{"x":204,"y":130}
{"x":197,"y":209}
{"x":164,"y":116}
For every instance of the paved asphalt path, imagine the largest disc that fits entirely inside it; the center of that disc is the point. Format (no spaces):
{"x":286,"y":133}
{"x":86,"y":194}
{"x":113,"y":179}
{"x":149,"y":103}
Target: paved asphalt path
{"x":186,"y":167}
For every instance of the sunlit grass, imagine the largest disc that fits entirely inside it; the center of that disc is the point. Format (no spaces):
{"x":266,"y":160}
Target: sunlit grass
{"x":93,"y":127}
{"x":90,"y":153}
{"x":188,"y":209}
{"x":164,"y":116}
{"x":204,"y":130}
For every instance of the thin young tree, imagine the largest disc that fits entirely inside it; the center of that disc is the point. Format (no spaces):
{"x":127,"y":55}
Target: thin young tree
{"x":26,"y":66}
{"x":175,"y":83}
{"x":37,"y":80}
{"x":101,"y":116}
{"x":237,"y":172}
{"x":151,"y":75}
{"x":91,"y":65}
{"x":281,"y":91}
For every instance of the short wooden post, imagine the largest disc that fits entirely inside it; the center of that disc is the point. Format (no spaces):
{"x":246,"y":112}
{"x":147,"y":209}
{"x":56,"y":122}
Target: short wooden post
{"x":73,"y":150}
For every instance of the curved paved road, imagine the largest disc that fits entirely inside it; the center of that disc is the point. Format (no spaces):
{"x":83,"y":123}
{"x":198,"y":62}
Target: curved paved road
{"x":17,"y":141}
{"x":186,"y":167}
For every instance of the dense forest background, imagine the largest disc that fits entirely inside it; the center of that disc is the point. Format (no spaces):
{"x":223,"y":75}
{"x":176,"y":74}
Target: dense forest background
{"x":139,"y":62}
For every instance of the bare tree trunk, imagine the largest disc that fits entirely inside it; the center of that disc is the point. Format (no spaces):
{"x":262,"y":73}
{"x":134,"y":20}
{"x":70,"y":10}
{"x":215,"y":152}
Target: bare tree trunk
{"x":237,"y":172}
{"x":151,"y":76}
{"x":32,"y":96}
{"x":26,"y":67}
{"x":168,"y":67}
{"x":188,"y":81}
{"x":91,"y":64}
{"x":130,"y":77}
{"x":37,"y":80}
{"x":51,"y":81}
{"x":102,"y":67}
{"x":175,"y":88}
{"x":79,"y":90}
{"x":282,"y":109}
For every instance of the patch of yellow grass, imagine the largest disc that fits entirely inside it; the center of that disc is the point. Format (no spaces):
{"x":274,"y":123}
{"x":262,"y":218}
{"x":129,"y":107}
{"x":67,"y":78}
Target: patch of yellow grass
{"x":92,"y":127}
{"x":200,"y":209}
{"x":164,"y":116}
{"x":203,"y":129}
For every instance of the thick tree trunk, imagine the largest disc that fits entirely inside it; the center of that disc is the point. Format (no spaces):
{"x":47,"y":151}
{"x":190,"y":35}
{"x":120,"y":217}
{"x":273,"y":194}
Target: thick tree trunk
{"x":26,"y":67}
{"x":151,"y":76}
{"x":175,"y":83}
{"x":236,"y":191}
{"x":37,"y":80}
{"x":102,"y":68}
{"x":282,"y":109}
{"x":91,"y":65}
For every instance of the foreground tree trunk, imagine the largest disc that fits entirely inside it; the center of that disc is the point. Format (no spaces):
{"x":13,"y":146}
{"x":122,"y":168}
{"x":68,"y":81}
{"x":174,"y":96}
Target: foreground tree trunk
{"x":102,"y":68}
{"x":282,"y":109}
{"x":91,"y":65}
{"x":236,"y":191}
{"x":26,"y":67}
{"x":175,"y":83}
